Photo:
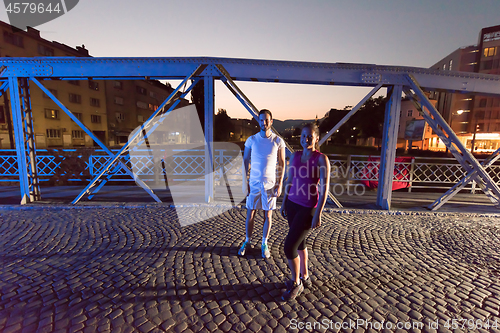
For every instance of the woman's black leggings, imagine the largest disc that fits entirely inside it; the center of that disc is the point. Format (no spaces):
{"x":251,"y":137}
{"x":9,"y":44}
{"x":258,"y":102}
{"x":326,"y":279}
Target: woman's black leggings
{"x":299,"y":221}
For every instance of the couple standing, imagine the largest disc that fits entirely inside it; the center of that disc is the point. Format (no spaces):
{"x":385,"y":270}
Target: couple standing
{"x":304,"y":193}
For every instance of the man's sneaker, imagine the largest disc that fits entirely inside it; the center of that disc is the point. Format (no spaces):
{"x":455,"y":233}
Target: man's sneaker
{"x":307,"y":283}
{"x":245,"y":246}
{"x":265,"y":251}
{"x":292,"y":292}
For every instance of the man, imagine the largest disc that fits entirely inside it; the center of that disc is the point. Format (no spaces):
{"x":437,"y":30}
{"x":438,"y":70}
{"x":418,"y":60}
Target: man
{"x":262,"y":150}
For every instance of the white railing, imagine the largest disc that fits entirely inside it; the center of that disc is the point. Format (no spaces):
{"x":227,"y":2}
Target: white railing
{"x":350,"y":170}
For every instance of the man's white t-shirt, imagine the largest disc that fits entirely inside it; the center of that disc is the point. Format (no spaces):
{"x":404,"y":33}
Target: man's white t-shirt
{"x":264,"y":156}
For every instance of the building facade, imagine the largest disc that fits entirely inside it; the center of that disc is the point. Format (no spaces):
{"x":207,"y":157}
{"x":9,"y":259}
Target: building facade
{"x":111,"y":109}
{"x":474,"y":118}
{"x":130,"y":103}
{"x":52,"y":127}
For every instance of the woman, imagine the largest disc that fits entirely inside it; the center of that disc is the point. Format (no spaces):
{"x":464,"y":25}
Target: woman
{"x":303,"y":202}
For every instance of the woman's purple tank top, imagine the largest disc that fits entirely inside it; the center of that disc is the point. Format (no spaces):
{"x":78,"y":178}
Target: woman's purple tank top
{"x":305,"y":178}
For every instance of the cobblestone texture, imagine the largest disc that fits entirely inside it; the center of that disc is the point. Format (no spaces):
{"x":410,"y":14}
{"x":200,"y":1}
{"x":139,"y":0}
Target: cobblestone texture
{"x":136,"y":270}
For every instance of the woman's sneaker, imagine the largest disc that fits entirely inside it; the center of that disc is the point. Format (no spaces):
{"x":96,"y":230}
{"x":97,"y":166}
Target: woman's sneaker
{"x":306,"y":282}
{"x":292,"y":292}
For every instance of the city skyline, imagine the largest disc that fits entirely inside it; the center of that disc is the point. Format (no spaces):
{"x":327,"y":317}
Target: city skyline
{"x":384,"y":33}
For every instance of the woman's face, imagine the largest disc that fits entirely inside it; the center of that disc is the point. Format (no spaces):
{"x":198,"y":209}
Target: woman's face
{"x":308,"y":139}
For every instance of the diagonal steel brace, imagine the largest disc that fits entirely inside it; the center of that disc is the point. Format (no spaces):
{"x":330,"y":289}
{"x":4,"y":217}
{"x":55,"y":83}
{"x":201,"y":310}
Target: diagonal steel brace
{"x":463,"y":182}
{"x":449,"y":138}
{"x":89,"y":132}
{"x":125,"y":148}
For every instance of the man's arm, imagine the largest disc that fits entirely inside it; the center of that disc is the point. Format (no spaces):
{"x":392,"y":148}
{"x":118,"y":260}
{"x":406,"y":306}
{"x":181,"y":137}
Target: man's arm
{"x":281,"y":171}
{"x":246,"y":163}
{"x":286,"y":187}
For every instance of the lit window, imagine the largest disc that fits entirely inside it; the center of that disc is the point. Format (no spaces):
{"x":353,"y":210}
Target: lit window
{"x":51,"y":114}
{"x":451,"y":65}
{"x":490,"y":51}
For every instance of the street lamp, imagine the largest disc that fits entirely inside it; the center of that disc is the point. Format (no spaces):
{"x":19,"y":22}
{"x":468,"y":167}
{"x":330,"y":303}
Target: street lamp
{"x":473,"y":142}
{"x":458,"y":112}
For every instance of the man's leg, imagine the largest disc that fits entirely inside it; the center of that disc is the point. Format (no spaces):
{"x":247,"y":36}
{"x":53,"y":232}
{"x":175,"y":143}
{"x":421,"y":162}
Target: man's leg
{"x":249,"y":223}
{"x":267,"y":225}
{"x":248,"y":232}
{"x":265,"y":233}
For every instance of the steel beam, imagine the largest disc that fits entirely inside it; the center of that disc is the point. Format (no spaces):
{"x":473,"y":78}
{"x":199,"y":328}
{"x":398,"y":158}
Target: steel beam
{"x":87,"y":131}
{"x":451,"y":141}
{"x":250,"y":70}
{"x":389,"y":141}
{"x":17,"y":119}
{"x":106,"y":168}
{"x":463,"y":182}
{"x":209,"y":138}
{"x":29,"y":131}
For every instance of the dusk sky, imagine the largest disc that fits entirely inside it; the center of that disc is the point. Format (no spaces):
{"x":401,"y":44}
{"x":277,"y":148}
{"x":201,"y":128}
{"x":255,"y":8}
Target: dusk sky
{"x":382,"y":32}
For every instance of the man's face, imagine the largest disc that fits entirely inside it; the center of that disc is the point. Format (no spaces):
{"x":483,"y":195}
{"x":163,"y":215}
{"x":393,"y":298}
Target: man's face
{"x":265,"y":122}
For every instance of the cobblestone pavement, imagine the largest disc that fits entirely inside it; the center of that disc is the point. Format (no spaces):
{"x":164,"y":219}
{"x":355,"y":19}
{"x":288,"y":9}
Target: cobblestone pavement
{"x":134,"y":269}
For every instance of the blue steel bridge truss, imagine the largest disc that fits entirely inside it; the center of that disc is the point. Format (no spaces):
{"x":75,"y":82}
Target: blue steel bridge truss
{"x":18,"y":74}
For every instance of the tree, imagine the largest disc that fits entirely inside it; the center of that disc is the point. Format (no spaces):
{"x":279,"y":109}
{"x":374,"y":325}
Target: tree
{"x":367,"y":122}
{"x":223,"y":126}
{"x":198,"y":99}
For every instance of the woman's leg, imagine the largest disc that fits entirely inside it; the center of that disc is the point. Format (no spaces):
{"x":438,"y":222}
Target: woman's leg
{"x":297,"y":215}
{"x":304,"y":257}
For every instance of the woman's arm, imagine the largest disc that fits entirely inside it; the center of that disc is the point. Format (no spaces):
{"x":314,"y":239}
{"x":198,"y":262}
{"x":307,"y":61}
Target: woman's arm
{"x":286,"y":186}
{"x":323,"y":187}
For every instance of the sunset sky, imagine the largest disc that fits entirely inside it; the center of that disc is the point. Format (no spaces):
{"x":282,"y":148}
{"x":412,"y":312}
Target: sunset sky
{"x":382,"y":32}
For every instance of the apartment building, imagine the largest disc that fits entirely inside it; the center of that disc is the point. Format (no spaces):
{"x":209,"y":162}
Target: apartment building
{"x":130,"y":103}
{"x":111,"y":109}
{"x":86,"y":99}
{"x":475,"y":118}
